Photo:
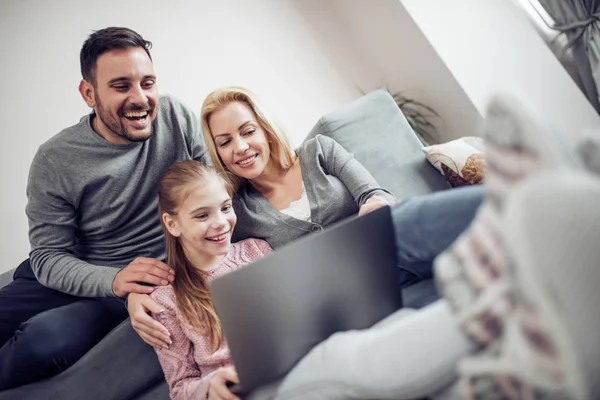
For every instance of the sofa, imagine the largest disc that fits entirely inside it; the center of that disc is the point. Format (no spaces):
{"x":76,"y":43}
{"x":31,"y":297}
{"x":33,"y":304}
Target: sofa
{"x":375,"y":131}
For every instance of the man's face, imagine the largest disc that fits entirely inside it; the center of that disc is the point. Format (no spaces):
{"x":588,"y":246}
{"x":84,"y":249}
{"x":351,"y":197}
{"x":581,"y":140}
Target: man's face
{"x":125,"y":96}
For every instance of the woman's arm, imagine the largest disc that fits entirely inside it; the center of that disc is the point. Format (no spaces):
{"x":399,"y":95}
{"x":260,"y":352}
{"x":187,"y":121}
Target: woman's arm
{"x":359,"y":182}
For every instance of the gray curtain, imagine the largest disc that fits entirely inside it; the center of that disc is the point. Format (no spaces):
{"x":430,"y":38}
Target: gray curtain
{"x":580,"y":21}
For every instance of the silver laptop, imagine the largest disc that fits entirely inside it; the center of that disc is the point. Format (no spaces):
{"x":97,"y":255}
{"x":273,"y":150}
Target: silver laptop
{"x":278,"y":308}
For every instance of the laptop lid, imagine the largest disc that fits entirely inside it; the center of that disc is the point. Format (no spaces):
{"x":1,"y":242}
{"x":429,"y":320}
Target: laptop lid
{"x":277,"y":309}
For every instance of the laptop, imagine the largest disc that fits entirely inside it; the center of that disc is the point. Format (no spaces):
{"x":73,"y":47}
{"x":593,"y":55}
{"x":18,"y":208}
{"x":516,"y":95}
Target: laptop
{"x":275,"y":310}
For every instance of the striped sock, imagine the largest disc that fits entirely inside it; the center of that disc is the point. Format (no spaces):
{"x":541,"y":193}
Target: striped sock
{"x":474,"y":273}
{"x":517,"y":146}
{"x":473,"y":269}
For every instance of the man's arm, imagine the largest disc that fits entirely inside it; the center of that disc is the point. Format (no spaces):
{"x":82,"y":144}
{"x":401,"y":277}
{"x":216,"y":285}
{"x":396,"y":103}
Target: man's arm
{"x":52,"y":229}
{"x":53,"y":223}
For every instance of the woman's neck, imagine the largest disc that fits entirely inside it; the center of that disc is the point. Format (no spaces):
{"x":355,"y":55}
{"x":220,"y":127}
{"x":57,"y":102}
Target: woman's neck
{"x":273,"y":177}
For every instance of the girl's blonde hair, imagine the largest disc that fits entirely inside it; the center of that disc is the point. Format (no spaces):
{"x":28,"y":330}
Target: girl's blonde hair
{"x":281,"y":151}
{"x":191,"y":287}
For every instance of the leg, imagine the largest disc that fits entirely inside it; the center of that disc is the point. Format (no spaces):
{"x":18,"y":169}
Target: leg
{"x":426,"y":225}
{"x":405,"y":356}
{"x":552,"y":227}
{"x":120,"y":367}
{"x":474,"y":269}
{"x":23,"y":298}
{"x":51,"y":341}
{"x":515,"y":147}
{"x":477,"y":274}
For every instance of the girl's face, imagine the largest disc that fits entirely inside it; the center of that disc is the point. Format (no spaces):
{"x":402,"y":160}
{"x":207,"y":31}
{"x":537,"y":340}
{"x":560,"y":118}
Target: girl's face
{"x":204,"y":223}
{"x":241,"y":142}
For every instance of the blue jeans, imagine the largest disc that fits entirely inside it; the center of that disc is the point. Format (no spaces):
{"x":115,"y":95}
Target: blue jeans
{"x":43,"y":331}
{"x":427,"y":225}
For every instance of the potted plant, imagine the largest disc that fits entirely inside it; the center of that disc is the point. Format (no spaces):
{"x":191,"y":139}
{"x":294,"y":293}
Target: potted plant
{"x":419,"y":117}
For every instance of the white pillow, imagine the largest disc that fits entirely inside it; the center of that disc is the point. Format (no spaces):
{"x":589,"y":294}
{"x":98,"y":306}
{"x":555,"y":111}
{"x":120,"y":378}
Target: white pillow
{"x":461,"y":161}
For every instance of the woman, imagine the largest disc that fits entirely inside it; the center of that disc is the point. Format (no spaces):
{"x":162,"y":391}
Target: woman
{"x":282,"y":194}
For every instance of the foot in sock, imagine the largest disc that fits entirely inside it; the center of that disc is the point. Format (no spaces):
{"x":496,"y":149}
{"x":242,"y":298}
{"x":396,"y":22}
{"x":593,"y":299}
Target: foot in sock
{"x":551,"y":228}
{"x":516,"y":146}
{"x":474,"y":274}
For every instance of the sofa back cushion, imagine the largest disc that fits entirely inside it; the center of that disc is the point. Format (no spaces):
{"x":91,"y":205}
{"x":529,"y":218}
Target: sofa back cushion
{"x":374,"y":129}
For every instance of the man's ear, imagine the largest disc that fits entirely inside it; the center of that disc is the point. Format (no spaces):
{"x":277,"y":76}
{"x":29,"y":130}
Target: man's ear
{"x":171,"y":224}
{"x":87,"y":92}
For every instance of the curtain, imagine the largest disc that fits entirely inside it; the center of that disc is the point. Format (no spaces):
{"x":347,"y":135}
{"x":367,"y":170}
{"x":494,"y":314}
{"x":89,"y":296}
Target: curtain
{"x":579,"y":20}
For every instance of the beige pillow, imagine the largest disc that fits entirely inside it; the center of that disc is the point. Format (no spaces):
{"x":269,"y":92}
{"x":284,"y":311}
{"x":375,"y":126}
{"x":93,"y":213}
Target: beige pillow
{"x":461,"y":161}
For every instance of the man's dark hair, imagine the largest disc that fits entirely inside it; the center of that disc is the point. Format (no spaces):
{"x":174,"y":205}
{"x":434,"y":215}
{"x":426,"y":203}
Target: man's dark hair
{"x":104,"y":40}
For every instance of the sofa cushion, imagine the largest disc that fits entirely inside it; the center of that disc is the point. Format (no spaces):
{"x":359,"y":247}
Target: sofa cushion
{"x":6,"y":278}
{"x":376,"y":132}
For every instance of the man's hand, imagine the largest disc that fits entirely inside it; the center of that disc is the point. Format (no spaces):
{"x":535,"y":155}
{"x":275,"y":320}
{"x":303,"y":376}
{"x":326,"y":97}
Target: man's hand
{"x":150,"y":330}
{"x":217,"y":387}
{"x":372,"y":204}
{"x":142,"y":270}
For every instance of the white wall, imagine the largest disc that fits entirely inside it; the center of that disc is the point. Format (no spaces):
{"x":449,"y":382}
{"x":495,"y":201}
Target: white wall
{"x":490,"y":46}
{"x":376,"y":43}
{"x":302,"y":57}
{"x":198,"y":47}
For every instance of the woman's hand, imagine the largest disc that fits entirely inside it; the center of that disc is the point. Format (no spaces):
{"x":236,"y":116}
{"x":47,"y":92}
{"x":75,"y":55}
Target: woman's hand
{"x":372,"y":204}
{"x":151,"y":331}
{"x":217,"y":387}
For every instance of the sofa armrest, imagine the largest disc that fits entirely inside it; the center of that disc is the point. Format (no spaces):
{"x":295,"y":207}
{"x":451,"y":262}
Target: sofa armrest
{"x":6,"y":278}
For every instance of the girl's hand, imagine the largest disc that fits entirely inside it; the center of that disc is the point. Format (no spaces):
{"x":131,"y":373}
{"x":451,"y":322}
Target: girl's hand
{"x":372,"y":204}
{"x":151,"y":331}
{"x":217,"y":387}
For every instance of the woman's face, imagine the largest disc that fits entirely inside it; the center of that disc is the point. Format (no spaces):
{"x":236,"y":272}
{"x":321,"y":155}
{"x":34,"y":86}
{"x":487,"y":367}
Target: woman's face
{"x":241,"y":142}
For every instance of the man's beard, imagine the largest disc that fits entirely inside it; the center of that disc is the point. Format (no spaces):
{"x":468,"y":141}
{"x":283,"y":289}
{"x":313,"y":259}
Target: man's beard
{"x":114,"y":124}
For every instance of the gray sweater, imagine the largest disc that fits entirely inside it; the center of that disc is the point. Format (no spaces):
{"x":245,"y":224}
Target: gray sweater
{"x":336,"y":186}
{"x":93,"y":206}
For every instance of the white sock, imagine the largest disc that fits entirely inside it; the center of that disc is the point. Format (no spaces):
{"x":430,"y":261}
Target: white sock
{"x":474,"y":274}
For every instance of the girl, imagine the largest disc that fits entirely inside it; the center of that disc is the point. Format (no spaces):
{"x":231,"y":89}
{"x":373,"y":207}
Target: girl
{"x":198,"y":220}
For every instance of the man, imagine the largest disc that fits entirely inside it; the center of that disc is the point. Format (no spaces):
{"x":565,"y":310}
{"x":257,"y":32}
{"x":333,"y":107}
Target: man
{"x":92,"y":208}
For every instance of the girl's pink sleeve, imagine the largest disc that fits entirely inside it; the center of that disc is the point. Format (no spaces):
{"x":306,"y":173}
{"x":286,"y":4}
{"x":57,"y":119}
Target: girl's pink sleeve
{"x":263,"y":246}
{"x":186,"y":381}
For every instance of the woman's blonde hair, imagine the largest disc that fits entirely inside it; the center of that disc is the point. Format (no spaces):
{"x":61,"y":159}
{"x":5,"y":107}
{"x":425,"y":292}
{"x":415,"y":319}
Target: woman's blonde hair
{"x":281,"y":151}
{"x":191,"y":287}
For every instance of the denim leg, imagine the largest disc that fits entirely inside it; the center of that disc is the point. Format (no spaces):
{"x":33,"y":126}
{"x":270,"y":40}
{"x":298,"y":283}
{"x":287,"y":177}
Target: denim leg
{"x":121,"y":366}
{"x":427,"y":225}
{"x":63,"y":330}
{"x":25,"y":297}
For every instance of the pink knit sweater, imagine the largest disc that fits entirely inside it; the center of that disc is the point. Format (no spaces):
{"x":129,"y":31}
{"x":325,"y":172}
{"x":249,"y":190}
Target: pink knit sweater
{"x":189,"y":363}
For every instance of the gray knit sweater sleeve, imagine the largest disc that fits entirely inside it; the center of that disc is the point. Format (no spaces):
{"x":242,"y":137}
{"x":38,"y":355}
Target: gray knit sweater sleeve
{"x":53,"y":225}
{"x":92,"y":205}
{"x":335,"y":160}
